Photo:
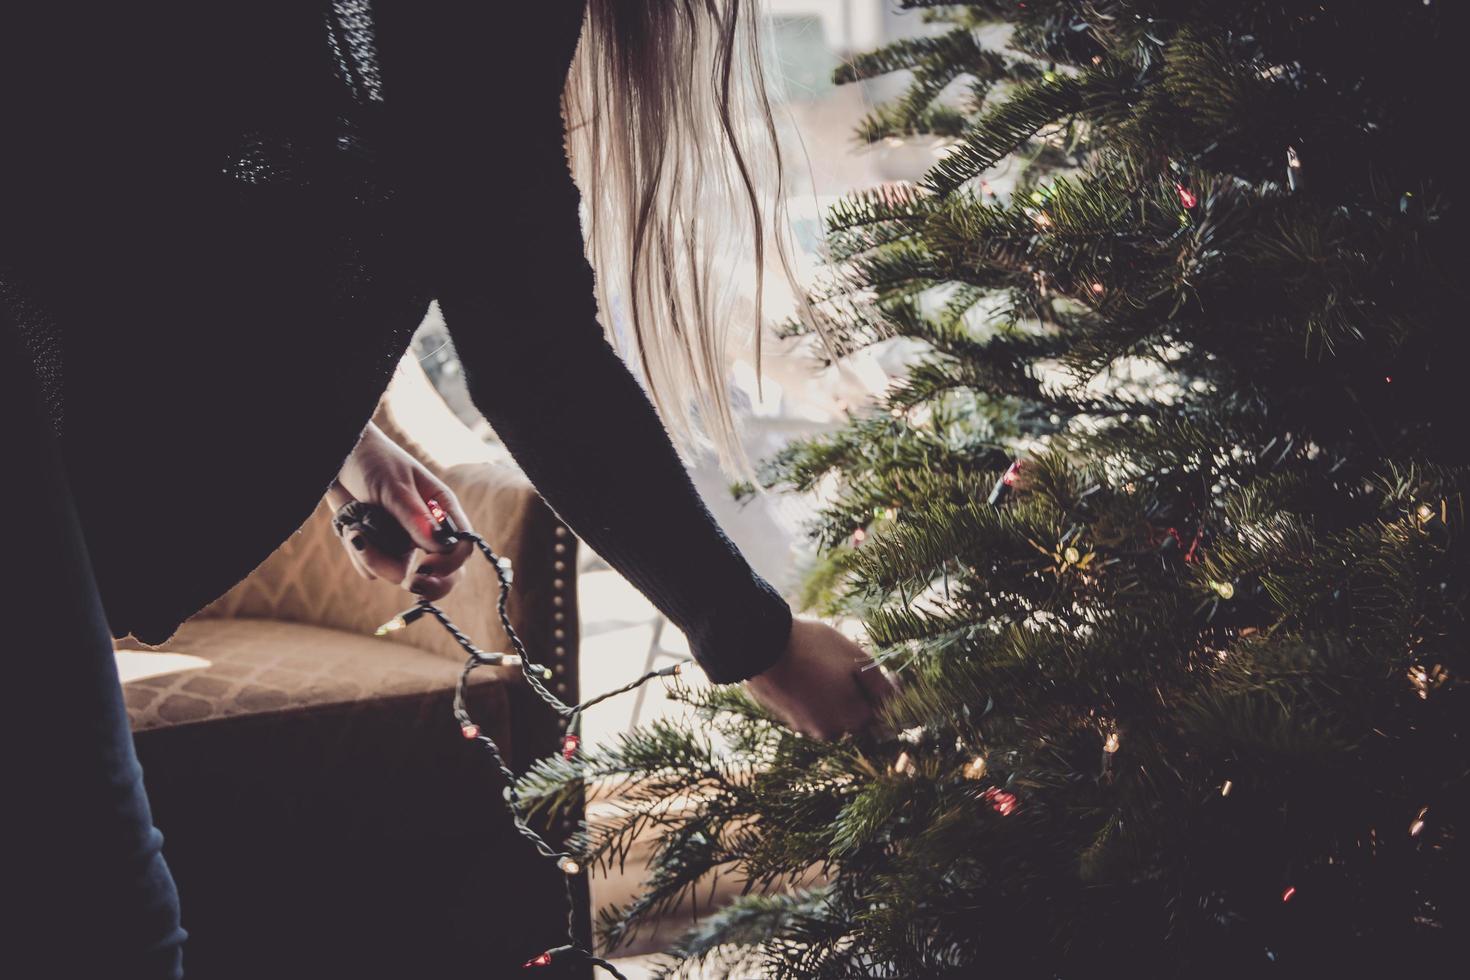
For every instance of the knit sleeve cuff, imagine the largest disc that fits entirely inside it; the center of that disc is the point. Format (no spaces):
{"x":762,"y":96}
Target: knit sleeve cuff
{"x":746,"y":640}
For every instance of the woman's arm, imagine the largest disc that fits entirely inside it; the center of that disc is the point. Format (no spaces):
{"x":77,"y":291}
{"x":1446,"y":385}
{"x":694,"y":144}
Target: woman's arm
{"x":472,"y":92}
{"x":585,"y":433}
{"x":483,"y":137}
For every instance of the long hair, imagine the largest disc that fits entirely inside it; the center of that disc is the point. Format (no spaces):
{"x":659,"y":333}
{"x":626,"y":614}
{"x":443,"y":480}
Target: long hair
{"x":672,"y":140}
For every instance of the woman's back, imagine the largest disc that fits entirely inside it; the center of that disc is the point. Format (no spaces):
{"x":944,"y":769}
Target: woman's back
{"x":221,"y":233}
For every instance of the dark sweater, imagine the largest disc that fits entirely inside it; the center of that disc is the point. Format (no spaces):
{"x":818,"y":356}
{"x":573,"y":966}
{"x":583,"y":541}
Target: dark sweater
{"x":220,"y":233}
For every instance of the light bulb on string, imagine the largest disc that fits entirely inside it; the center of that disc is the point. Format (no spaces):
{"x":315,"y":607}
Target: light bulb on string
{"x":1007,"y":480}
{"x":1187,"y":197}
{"x":1001,"y":801}
{"x":566,"y":863}
{"x":1293,"y":168}
{"x":1417,"y":827}
{"x":1226,"y":787}
{"x":975,"y":768}
{"x":1425,"y":679}
{"x":569,"y":745}
{"x":401,"y":621}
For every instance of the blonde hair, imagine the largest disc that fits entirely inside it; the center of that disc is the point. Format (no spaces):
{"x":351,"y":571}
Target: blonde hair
{"x":672,"y":140}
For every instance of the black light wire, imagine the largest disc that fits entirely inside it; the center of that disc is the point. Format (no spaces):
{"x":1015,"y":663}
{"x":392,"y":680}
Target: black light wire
{"x":535,"y":675}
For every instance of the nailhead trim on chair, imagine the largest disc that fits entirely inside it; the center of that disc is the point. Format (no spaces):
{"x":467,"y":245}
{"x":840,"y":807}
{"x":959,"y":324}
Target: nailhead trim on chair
{"x":569,"y":820}
{"x":558,"y":599}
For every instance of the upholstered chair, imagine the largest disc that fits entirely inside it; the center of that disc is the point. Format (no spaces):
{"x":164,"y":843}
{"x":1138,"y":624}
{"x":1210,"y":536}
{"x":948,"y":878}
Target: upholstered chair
{"x":322,"y":813}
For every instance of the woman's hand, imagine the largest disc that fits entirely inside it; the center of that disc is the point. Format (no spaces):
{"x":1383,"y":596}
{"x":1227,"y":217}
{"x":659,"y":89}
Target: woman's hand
{"x":824,"y":684}
{"x":380,"y":472}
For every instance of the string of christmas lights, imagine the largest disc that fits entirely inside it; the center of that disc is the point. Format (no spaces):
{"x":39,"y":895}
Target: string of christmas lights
{"x":536,"y":675}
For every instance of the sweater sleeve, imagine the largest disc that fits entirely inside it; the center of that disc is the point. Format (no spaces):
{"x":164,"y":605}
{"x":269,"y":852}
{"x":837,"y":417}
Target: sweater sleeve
{"x":524,"y":320}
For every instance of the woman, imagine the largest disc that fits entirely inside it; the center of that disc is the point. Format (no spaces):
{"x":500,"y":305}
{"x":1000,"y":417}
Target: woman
{"x":218,"y":240}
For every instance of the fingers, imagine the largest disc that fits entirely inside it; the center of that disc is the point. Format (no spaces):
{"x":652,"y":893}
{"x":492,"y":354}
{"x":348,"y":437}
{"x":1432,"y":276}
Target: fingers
{"x":407,"y":506}
{"x":431,"y":574}
{"x":435,"y":587}
{"x":429,"y":488}
{"x":368,"y":561}
{"x":354,"y":542}
{"x":875,"y":683}
{"x":876,"y":687}
{"x":871,"y":688}
{"x":843,"y":712}
{"x":391,"y":568}
{"x":825,"y":686}
{"x":445,"y":565}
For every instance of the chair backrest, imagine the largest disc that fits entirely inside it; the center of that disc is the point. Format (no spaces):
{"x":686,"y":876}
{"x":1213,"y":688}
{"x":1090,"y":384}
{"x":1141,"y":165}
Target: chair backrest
{"x":309,"y":578}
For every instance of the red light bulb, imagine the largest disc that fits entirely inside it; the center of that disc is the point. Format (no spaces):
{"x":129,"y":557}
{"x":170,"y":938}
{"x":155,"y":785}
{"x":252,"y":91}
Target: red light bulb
{"x":437,"y":512}
{"x":1013,"y":473}
{"x":1290,"y":891}
{"x":1001,"y":801}
{"x":1187,"y":197}
{"x":542,"y":960}
{"x":470,"y":731}
{"x":569,"y":746}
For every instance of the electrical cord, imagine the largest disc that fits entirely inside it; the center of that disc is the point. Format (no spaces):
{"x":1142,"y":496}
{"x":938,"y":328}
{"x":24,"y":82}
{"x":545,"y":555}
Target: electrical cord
{"x":376,"y":523}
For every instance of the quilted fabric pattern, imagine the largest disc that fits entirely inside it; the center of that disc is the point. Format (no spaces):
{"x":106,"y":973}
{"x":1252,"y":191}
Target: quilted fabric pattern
{"x":253,"y":667}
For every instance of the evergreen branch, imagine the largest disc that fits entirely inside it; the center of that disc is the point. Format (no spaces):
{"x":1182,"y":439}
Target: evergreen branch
{"x":1003,"y":128}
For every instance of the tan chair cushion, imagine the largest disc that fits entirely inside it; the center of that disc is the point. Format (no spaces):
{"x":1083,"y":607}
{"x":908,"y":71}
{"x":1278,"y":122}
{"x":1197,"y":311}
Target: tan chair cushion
{"x":222,"y":668}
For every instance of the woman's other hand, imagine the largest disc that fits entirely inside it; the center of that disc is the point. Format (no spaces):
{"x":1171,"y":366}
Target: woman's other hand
{"x":380,"y":472}
{"x":824,"y":685}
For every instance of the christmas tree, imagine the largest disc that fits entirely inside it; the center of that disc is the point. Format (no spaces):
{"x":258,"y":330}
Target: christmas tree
{"x":1163,"y":533}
